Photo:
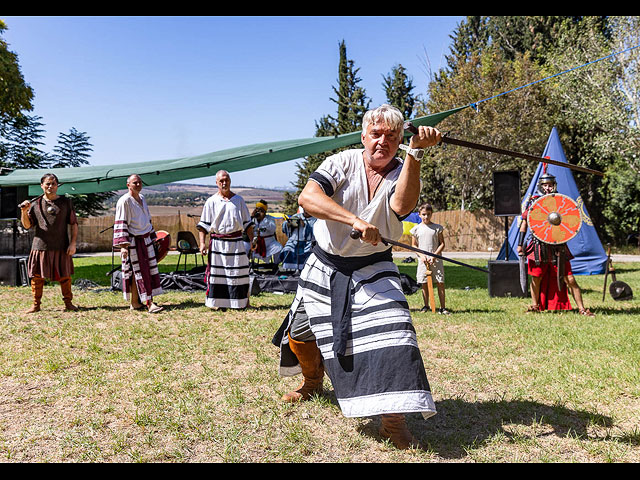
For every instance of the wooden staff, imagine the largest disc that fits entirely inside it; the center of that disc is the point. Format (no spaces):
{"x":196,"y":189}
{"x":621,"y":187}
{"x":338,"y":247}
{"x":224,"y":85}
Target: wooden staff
{"x":432,"y":297}
{"x":29,"y":202}
{"x":477,"y":146}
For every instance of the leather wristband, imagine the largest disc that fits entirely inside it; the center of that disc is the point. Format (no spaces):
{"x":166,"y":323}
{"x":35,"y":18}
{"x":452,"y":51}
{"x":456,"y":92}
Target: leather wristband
{"x":521,"y":236}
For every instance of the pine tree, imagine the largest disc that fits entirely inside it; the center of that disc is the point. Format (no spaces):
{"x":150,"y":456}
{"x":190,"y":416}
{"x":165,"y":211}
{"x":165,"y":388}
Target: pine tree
{"x":73,"y":150}
{"x":352,"y":103}
{"x":20,"y":142}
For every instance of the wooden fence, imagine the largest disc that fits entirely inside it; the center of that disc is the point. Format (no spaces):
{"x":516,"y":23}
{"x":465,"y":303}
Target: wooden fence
{"x":463,"y":231}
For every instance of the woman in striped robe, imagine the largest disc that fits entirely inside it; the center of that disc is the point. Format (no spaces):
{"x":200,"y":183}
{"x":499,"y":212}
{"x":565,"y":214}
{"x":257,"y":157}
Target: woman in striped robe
{"x":224,"y":218}
{"x":350,"y":316}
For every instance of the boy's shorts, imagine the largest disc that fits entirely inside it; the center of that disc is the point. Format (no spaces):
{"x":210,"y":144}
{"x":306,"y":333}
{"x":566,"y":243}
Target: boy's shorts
{"x":437,"y":271}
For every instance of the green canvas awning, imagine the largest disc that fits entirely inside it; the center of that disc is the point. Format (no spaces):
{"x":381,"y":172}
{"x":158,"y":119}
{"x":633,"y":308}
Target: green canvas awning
{"x":106,"y":178}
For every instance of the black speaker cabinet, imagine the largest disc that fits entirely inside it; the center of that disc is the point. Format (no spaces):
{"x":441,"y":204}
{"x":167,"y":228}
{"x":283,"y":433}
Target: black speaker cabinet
{"x":10,"y":197}
{"x":504,"y":279}
{"x":506,"y":193}
{"x":13,"y":271}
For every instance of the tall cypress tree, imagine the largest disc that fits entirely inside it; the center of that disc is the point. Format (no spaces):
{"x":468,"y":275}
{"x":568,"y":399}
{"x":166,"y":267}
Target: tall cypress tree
{"x":398,"y":89}
{"x":352,"y":103}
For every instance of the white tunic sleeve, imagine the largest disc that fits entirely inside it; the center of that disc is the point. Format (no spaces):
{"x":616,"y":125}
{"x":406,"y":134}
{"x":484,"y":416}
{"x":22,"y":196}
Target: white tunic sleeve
{"x":330,"y":175}
{"x":120,"y":224}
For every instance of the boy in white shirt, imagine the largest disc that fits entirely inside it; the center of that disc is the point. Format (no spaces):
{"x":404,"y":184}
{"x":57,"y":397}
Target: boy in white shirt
{"x":428,"y":236}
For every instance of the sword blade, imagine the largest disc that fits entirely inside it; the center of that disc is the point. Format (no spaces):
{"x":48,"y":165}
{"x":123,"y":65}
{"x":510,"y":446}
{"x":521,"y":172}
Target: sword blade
{"x":355,"y":234}
{"x":523,"y":273}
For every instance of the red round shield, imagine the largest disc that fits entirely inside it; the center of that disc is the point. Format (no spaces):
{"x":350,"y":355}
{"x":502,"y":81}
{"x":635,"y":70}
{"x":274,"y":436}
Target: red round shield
{"x":163,"y":241}
{"x":554,"y":218}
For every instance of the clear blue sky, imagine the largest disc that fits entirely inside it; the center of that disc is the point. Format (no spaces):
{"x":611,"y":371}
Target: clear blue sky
{"x":155,"y":88}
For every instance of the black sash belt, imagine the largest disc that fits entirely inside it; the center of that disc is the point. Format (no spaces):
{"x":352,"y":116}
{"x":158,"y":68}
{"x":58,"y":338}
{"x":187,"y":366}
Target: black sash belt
{"x":340,"y":283}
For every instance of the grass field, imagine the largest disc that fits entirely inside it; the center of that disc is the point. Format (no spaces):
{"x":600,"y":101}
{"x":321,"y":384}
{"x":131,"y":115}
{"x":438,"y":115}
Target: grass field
{"x":193,"y":385}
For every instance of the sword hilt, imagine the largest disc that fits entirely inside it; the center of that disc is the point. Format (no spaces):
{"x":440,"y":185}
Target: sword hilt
{"x":355,"y":234}
{"x":410,"y":127}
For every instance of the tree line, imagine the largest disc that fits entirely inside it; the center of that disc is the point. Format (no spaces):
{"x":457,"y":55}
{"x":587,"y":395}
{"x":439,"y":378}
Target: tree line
{"x":596,"y":110}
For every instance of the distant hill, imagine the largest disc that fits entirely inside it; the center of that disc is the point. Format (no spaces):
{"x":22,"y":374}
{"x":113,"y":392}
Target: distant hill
{"x":169,"y":198}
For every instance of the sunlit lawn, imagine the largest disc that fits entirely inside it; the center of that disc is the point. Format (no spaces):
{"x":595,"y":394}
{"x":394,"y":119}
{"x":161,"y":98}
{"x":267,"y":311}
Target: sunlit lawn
{"x":192,"y":385}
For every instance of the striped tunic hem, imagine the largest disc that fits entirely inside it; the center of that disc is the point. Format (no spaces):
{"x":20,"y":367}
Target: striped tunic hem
{"x":141,"y":266}
{"x":227,"y":274}
{"x":381,"y":370}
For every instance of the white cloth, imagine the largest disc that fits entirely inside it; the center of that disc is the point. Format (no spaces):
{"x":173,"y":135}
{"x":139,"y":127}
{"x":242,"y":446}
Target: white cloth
{"x":223,"y":216}
{"x":343,"y":177}
{"x":227,"y":274}
{"x":381,"y":370}
{"x":427,"y":237}
{"x":134,"y":216}
{"x":143,"y":271}
{"x":267,"y":229}
{"x":132,"y":224}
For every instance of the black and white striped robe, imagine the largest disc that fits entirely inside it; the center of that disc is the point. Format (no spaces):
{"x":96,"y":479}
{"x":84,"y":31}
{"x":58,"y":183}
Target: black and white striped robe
{"x":370,"y":350}
{"x":132,"y":228}
{"x":227,"y":273}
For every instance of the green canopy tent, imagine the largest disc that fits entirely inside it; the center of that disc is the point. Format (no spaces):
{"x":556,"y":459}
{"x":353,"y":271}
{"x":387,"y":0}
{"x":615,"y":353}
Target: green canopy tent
{"x":107,"y":178}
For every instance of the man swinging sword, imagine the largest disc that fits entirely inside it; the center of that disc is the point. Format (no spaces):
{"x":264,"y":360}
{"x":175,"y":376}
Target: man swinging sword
{"x":350,"y":317}
{"x":554,"y":219}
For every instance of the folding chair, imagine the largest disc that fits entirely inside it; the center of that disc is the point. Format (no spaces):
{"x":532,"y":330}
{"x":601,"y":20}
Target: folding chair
{"x":187,"y":244}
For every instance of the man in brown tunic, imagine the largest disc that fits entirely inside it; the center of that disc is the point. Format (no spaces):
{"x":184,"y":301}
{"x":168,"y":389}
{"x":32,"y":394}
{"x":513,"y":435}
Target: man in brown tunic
{"x":51,"y":250}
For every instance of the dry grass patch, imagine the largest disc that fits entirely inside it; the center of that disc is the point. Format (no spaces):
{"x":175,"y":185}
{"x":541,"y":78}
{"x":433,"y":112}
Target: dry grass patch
{"x":192,"y":385}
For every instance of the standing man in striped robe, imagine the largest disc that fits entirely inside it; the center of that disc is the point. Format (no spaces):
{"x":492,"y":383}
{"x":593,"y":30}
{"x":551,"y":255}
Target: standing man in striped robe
{"x":350,"y":317}
{"x":224,"y":218}
{"x":133,"y":233}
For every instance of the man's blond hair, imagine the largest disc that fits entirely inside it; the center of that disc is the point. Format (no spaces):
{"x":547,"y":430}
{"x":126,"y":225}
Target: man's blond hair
{"x":385,"y":114}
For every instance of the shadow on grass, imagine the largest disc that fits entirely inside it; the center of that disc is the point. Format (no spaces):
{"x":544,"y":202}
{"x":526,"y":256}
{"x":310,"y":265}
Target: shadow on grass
{"x":460,"y":426}
{"x":416,"y":311}
{"x":612,"y":311}
{"x":183,"y":305}
{"x":198,"y":304}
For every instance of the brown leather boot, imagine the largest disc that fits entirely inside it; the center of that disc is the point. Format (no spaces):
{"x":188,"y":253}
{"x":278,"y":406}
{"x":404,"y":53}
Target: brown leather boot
{"x":37,"y":285}
{"x":67,"y":296}
{"x":310,"y":360}
{"x":394,"y":428}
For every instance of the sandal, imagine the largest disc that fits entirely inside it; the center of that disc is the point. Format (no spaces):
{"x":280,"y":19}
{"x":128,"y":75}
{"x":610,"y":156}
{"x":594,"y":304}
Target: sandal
{"x":586,"y":312}
{"x":153,"y":308}
{"x":533,"y":309}
{"x":141,"y":307}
